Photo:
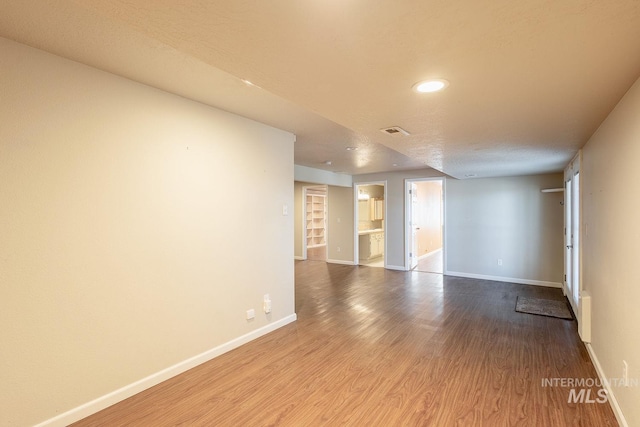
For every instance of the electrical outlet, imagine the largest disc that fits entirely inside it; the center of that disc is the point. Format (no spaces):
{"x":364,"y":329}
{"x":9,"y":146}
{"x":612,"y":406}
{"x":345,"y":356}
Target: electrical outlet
{"x":625,"y":373}
{"x":499,"y":261}
{"x":266,"y":305}
{"x":338,"y":248}
{"x":251,"y":314}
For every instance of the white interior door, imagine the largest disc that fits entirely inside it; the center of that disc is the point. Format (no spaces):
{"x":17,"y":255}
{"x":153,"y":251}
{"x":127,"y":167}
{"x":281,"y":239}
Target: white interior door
{"x":572,"y":239}
{"x":575,"y":239}
{"x":413,"y":257}
{"x":572,"y":230}
{"x":568,"y":241}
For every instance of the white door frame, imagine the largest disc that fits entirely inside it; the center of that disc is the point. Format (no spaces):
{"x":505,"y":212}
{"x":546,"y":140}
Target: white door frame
{"x":304,"y":218}
{"x":569,"y":173}
{"x":407,"y":220}
{"x":412,"y":230}
{"x":304,"y":223}
{"x":356,"y":237}
{"x":566,"y":254}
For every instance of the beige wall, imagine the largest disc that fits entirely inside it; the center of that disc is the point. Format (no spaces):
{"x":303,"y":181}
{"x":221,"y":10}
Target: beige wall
{"x":611,"y":244}
{"x":507,"y":219}
{"x":429,"y":216}
{"x":126,"y":219}
{"x":340,"y":225}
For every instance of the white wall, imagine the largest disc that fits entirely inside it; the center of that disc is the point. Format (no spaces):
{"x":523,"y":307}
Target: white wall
{"x":611,"y":244}
{"x":127,"y":220}
{"x":507,"y":219}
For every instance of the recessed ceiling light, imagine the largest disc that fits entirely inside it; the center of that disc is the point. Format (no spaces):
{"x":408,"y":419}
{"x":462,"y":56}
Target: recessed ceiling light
{"x":427,"y":86}
{"x":352,"y":148}
{"x":328,"y":162}
{"x":395,"y":164}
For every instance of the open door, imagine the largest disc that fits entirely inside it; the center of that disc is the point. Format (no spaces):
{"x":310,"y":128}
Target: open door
{"x":424,"y":221}
{"x":572,"y":232}
{"x":370,"y":211}
{"x":568,"y":241}
{"x":413,"y":225}
{"x":576,"y":238}
{"x":315,"y":223}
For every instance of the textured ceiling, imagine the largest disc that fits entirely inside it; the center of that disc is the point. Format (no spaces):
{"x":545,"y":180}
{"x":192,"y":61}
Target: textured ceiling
{"x":530,"y":80}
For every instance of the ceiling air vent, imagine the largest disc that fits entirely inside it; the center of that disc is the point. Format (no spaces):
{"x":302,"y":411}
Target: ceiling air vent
{"x":394,"y":131}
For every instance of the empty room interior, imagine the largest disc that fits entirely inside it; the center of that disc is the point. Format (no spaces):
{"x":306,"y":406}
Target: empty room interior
{"x":245,"y":213}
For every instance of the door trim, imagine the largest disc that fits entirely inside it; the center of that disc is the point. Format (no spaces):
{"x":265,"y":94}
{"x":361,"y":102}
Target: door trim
{"x":572,"y":169}
{"x":356,"y":237}
{"x":407,"y":220}
{"x":304,"y":219}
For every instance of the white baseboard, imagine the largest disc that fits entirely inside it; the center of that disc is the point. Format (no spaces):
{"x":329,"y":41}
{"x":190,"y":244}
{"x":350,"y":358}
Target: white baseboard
{"x":127,"y":391}
{"x":610,"y":396}
{"x":338,"y":261}
{"x":505,"y":279}
{"x":396,"y":267}
{"x":428,"y":254}
{"x":298,"y":258}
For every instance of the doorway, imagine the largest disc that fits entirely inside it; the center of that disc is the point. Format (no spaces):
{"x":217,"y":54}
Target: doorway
{"x":370,"y":212}
{"x":424,"y":246}
{"x":315,"y":223}
{"x":572,"y":232}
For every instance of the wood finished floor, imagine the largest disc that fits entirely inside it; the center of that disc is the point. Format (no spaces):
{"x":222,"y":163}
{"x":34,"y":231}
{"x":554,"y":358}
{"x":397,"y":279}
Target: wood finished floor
{"x":374,"y":347}
{"x":431,"y":264}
